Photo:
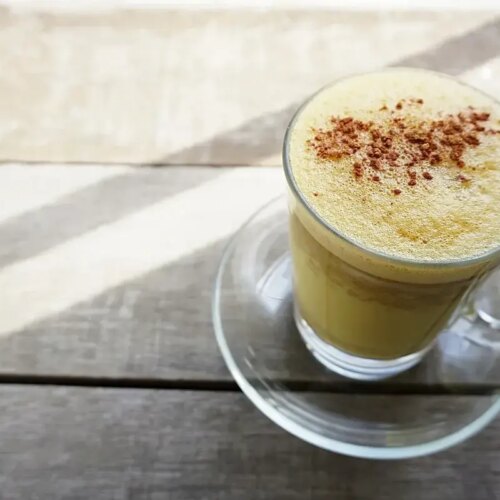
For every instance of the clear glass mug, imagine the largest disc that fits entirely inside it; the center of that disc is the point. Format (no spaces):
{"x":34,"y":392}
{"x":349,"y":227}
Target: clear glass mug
{"x":364,"y":314}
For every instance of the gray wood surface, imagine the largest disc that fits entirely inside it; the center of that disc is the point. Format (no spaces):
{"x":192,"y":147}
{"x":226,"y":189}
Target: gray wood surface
{"x":151,"y":319}
{"x":81,"y":443}
{"x":148,"y":316}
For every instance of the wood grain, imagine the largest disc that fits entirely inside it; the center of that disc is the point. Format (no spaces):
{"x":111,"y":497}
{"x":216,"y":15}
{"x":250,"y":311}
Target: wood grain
{"x":114,"y":281}
{"x":75,"y":443}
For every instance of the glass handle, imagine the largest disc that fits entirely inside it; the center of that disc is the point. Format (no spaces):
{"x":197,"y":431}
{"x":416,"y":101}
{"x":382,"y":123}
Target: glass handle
{"x":485,"y":307}
{"x":487,"y":300}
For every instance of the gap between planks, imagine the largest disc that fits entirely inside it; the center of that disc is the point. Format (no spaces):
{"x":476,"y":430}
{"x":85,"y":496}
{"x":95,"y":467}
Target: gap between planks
{"x":336,"y":387}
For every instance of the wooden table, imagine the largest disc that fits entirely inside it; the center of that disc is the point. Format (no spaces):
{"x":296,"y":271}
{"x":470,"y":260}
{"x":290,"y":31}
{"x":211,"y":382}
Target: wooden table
{"x":134,"y":142}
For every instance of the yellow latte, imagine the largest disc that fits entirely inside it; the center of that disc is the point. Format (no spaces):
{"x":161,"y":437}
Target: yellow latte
{"x":395,"y":182}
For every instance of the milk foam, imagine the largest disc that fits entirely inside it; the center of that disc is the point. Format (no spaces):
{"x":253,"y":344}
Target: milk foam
{"x":433,"y":221}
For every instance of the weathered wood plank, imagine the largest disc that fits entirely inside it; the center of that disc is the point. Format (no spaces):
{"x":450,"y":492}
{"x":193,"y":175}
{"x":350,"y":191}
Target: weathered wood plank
{"x":78,"y":269}
{"x":115,"y":280}
{"x":62,"y":443}
{"x":181,"y":86}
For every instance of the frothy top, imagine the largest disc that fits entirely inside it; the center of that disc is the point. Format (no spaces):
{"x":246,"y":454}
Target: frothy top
{"x":404,"y":162}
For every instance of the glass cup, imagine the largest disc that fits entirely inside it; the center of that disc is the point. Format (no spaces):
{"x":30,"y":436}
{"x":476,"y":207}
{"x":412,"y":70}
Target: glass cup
{"x":363,"y":314}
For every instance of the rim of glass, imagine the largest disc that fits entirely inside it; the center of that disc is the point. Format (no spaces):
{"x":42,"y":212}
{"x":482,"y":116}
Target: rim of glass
{"x":310,"y":436}
{"x":381,"y":255}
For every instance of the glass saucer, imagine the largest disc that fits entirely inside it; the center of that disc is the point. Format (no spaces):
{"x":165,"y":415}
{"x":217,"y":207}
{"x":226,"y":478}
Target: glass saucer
{"x":452,"y":394}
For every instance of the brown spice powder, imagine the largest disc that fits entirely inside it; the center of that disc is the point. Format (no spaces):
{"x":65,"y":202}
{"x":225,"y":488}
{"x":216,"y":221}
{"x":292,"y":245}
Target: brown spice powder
{"x":402,"y":141}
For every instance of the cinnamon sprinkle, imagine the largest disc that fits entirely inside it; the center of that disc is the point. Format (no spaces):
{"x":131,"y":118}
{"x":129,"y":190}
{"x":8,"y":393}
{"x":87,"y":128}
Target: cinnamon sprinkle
{"x":402,"y":141}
